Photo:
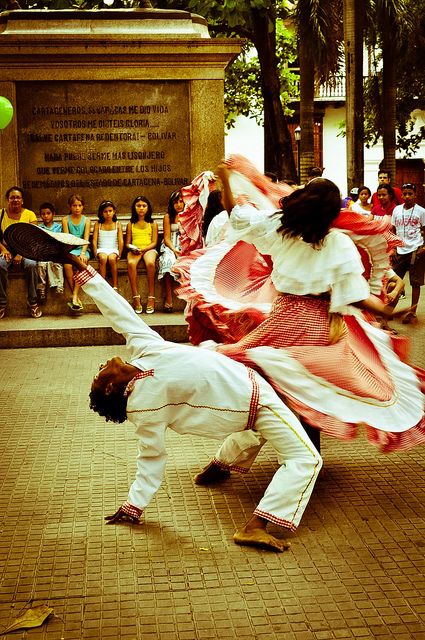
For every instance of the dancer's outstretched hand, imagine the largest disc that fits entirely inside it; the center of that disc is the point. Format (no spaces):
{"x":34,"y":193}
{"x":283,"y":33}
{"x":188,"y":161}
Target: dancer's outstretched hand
{"x":121,"y":516}
{"x":392,"y":314}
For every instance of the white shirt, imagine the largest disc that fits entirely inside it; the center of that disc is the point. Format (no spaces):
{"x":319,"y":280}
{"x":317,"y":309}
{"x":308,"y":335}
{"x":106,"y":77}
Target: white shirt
{"x":298,"y":267}
{"x":187,"y":389}
{"x":358,"y":208}
{"x":408,"y":224}
{"x":217,"y":228}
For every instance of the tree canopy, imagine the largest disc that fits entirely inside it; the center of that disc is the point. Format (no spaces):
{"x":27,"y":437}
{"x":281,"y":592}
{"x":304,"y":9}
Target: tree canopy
{"x":253,"y":20}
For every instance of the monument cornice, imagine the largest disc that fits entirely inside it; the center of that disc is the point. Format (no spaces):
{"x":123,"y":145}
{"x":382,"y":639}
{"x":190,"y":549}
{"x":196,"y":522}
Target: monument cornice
{"x":167,"y":59}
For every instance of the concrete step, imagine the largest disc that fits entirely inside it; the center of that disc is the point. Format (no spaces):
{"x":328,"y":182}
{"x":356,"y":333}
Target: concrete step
{"x":57,"y":304}
{"x":86,"y":329}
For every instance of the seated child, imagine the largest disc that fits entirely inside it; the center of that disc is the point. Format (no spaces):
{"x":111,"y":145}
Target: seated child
{"x":79,"y":225}
{"x":141,"y":240}
{"x":108,"y":240}
{"x":170,"y":247}
{"x":50,"y":273}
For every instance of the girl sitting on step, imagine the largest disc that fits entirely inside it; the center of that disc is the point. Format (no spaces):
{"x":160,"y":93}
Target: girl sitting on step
{"x":170,"y":247}
{"x":108,"y":240}
{"x":141,"y":240}
{"x":79,"y":225}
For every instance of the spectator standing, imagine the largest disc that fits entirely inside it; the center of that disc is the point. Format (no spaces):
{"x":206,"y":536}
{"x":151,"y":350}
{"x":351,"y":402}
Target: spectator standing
{"x":216,"y":219}
{"x":384,"y":177}
{"x":16,"y":212}
{"x":314,"y":172}
{"x":108,"y":240}
{"x":409,"y":224}
{"x":386,"y":202}
{"x":352,"y":197}
{"x":78,"y":225}
{"x":50,"y":273}
{"x":362,"y":204}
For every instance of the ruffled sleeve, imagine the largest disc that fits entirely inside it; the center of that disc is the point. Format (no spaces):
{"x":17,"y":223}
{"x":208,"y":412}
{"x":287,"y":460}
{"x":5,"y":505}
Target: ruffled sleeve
{"x":334,"y":268}
{"x":257,"y":227}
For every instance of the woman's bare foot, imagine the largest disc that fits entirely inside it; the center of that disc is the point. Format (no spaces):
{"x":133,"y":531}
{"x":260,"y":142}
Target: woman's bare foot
{"x":212,"y":474}
{"x":254,"y":534}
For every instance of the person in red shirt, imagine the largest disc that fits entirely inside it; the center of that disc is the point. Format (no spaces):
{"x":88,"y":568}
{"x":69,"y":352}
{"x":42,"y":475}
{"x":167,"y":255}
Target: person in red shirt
{"x":386,"y":201}
{"x":384,"y":177}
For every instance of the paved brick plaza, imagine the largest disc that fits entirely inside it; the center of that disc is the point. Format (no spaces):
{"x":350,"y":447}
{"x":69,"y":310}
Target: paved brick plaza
{"x":355,"y":569}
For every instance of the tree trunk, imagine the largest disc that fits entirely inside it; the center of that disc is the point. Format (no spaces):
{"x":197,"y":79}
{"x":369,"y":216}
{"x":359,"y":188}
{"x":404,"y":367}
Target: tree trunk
{"x":354,"y":103}
{"x":279,"y":156}
{"x":388,"y":101}
{"x":306,"y":109}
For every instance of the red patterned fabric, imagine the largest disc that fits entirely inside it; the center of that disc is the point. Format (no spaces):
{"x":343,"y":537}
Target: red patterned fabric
{"x":274,"y":191}
{"x":228,"y":304}
{"x":131,"y":510}
{"x":195,"y":197}
{"x":305,"y":327}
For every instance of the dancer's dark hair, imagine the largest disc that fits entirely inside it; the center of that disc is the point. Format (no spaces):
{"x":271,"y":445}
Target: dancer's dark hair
{"x":308,"y":213}
{"x":112,"y":407}
{"x":213,"y":208}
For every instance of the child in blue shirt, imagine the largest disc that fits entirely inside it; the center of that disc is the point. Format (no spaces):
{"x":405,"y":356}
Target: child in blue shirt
{"x":49,"y":272}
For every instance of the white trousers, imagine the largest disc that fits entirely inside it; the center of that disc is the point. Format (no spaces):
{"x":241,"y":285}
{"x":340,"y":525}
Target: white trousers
{"x":290,"y":489}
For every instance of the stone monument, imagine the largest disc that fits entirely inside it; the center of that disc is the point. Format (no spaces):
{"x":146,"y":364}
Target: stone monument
{"x":110,"y":104}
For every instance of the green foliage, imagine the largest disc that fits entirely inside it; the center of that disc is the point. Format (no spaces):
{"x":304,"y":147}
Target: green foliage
{"x":408,"y":37}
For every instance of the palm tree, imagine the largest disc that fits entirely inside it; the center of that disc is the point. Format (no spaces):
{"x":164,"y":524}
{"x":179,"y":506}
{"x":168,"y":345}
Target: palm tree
{"x":319,"y":41}
{"x":354,"y":101}
{"x":390,"y":26}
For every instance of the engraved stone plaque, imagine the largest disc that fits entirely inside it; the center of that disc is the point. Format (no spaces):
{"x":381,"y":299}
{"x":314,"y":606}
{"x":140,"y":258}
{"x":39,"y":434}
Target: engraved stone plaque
{"x":103,"y":140}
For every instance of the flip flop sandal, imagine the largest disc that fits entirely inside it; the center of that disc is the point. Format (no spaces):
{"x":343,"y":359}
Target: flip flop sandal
{"x":75,"y":307}
{"x":137,"y":307}
{"x":151,"y":307}
{"x":35,"y":311}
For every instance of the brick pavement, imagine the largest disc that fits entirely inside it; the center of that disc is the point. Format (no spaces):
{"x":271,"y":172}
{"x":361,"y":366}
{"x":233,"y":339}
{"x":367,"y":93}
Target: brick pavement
{"x":356,"y":568}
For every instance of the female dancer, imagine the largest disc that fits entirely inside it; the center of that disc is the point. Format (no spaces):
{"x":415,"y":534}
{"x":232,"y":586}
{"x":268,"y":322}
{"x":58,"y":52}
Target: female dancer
{"x":337,"y":371}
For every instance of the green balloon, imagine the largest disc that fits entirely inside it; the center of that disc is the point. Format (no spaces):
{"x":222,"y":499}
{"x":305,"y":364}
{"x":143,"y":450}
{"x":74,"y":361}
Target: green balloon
{"x":6,"y":112}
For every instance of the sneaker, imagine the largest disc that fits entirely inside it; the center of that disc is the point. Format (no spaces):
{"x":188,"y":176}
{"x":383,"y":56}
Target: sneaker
{"x":59,"y":292}
{"x":35,"y":311}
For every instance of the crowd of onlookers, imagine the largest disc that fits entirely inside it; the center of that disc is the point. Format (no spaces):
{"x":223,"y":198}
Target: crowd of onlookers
{"x":108,"y":241}
{"x":139,"y":242}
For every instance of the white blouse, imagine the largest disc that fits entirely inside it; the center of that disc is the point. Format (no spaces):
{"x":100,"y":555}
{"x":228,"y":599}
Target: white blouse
{"x":298,"y":267}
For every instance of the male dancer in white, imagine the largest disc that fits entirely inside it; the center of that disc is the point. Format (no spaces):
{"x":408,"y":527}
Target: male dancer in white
{"x":213,"y":396}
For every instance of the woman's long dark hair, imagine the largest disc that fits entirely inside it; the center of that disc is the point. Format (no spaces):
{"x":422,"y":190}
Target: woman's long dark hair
{"x":213,"y":208}
{"x":308,"y":213}
{"x":170,"y":208}
{"x":134,"y":217}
